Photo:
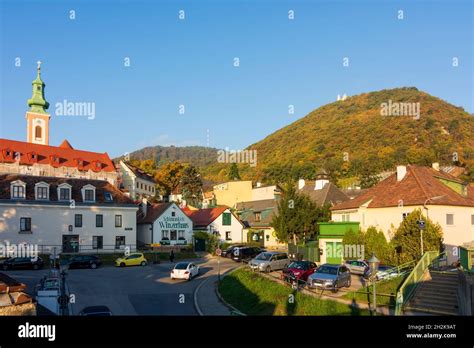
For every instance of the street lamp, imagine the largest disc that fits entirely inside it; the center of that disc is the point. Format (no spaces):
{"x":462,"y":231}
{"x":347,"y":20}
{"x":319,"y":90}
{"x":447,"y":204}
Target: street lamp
{"x":422,"y":225}
{"x":374,"y":266}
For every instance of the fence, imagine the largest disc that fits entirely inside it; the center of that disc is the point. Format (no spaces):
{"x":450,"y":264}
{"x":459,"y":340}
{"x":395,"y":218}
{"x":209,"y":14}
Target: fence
{"x":410,"y":284}
{"x":89,"y":249}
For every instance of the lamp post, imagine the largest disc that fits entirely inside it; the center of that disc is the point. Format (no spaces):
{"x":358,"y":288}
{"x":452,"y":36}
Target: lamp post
{"x":422,"y":225}
{"x":374,"y":266}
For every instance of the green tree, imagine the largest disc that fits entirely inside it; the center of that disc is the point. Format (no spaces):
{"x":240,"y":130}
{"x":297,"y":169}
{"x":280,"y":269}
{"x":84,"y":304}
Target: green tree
{"x":234,"y":172}
{"x":297,"y":216}
{"x":376,"y":243}
{"x":191,"y":186}
{"x":407,"y":238}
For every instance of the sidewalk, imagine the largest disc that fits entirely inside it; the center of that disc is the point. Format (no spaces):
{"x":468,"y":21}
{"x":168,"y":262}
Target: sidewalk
{"x":206,"y":300}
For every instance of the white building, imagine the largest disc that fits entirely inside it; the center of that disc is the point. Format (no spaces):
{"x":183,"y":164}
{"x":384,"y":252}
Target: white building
{"x":163,"y":223}
{"x":138,"y":183}
{"x":219,"y":221}
{"x":445,"y":199}
{"x":71,"y":215}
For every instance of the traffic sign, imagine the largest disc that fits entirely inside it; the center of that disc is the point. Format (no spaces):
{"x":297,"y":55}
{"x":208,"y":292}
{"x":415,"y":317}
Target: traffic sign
{"x":218,"y":252}
{"x":421,"y":224}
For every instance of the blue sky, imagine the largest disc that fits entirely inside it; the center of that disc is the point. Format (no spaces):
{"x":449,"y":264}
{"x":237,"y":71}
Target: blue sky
{"x":190,"y":62}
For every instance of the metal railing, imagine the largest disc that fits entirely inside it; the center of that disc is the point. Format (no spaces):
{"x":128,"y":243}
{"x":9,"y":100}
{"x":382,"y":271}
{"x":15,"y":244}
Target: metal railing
{"x":410,"y":284}
{"x":82,"y":248}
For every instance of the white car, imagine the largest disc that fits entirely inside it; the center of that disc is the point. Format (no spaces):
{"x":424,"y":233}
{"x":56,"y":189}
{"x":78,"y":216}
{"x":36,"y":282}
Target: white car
{"x":184,"y":270}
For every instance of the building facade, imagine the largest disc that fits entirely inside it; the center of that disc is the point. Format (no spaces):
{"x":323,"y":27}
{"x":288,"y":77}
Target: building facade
{"x":163,"y":223}
{"x":65,"y":214}
{"x":136,"y":181}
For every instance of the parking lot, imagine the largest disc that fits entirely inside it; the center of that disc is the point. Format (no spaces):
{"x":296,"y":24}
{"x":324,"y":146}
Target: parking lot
{"x":127,"y":291}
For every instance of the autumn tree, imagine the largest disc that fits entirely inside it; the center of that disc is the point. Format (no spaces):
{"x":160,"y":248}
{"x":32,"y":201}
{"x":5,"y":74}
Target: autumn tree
{"x":168,"y":177}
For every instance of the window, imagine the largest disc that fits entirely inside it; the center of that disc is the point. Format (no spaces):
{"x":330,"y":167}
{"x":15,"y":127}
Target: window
{"x":89,"y":195}
{"x":138,"y":185}
{"x":472,"y":219}
{"x":25,"y":224}
{"x":228,"y":235}
{"x":18,"y":191}
{"x":267,"y":237}
{"x":118,"y":220}
{"x":42,"y":191}
{"x":64,"y":194}
{"x":181,"y":235}
{"x":173,"y":235}
{"x":78,"y":220}
{"x":38,"y":131}
{"x":345,"y":217}
{"x":257,"y":217}
{"x":119,"y":242}
{"x":165,"y":235}
{"x":99,"y":220}
{"x":449,"y":219}
{"x":226,"y":219}
{"x":173,"y":213}
{"x":97,"y":242}
{"x":108,"y":196}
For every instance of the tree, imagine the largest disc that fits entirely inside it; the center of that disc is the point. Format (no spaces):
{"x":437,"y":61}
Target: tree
{"x":234,"y":172}
{"x":376,"y":243}
{"x":407,"y":238}
{"x":191,"y":186}
{"x":168,"y":177}
{"x":297,"y":216}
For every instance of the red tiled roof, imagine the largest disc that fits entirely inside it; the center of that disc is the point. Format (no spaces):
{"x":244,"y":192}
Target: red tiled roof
{"x":59,"y":156}
{"x":204,"y":217}
{"x":153,"y":212}
{"x":418,"y":185}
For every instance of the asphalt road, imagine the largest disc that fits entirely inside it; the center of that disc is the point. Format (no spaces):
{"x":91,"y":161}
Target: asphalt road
{"x":132,"y":290}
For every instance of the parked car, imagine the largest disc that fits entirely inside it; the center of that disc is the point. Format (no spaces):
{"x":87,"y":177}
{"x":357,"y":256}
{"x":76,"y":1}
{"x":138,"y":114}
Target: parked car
{"x":357,"y":266}
{"x":228,"y":252}
{"x":298,"y":271}
{"x":245,"y":253}
{"x":184,"y":270}
{"x":330,"y":276}
{"x":134,"y":259}
{"x":84,"y":261}
{"x":22,"y":263}
{"x":383,"y":272}
{"x":96,"y":311}
{"x":269,"y":261}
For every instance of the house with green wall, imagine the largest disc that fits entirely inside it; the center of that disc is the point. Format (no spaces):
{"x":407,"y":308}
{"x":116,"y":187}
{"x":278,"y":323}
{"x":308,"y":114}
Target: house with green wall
{"x":330,"y":240}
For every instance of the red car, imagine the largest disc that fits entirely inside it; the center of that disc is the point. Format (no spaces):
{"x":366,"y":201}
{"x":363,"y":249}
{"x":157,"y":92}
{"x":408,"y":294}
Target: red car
{"x":299,"y":271}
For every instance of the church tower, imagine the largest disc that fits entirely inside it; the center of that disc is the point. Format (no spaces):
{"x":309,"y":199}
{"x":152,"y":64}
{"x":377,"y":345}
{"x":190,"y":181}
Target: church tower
{"x":37,"y":118}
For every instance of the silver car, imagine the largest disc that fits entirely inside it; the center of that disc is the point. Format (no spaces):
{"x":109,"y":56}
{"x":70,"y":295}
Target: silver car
{"x":330,"y":276}
{"x":269,"y":261}
{"x":357,"y":266}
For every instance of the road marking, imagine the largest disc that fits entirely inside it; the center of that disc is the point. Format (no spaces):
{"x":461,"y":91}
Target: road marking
{"x":196,"y":305}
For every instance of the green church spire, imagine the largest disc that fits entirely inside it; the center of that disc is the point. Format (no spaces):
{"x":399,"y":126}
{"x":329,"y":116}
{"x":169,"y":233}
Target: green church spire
{"x":37,"y":103}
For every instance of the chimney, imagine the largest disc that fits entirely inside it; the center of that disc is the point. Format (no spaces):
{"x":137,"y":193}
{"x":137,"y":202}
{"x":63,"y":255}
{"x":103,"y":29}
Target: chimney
{"x":401,"y":172}
{"x":301,"y":184}
{"x":435,"y":166}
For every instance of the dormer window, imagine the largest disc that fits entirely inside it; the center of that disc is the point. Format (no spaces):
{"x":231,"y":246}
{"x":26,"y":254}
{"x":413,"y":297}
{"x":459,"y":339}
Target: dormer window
{"x":88,"y":193}
{"x":108,"y":197}
{"x":64,"y":192}
{"x":18,"y":189}
{"x":42,"y":191}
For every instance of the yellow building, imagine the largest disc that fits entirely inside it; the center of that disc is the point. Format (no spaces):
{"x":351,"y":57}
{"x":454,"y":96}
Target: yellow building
{"x":232,"y":192}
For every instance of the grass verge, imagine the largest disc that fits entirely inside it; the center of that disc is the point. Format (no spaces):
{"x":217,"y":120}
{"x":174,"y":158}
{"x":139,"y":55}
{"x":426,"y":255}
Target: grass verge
{"x":253,"y":294}
{"x":382,"y":290}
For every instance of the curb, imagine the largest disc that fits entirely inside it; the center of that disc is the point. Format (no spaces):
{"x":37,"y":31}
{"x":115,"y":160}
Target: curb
{"x":196,"y":306}
{"x":219,"y":296}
